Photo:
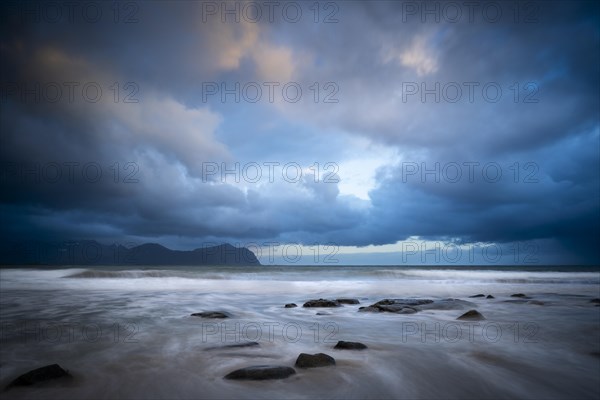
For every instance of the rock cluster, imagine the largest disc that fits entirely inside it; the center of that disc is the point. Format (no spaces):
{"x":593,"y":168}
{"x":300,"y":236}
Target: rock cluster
{"x":322,"y":303}
{"x":398,"y":306}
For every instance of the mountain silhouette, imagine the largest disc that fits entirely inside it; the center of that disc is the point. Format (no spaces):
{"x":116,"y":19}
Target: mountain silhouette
{"x":90,"y":252}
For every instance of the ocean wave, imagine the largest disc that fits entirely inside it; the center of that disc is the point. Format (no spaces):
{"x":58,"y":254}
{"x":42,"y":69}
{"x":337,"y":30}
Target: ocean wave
{"x":141,"y":274}
{"x":373,"y":275}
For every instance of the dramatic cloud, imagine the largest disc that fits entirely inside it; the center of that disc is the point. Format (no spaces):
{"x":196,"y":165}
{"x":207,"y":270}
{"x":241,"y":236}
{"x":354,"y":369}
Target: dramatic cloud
{"x":363,"y":124}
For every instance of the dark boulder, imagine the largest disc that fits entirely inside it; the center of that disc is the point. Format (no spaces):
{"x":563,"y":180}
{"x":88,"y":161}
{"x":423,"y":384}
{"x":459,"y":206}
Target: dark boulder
{"x":520,"y":295}
{"x":211,"y":314}
{"x":49,"y":372}
{"x":314,"y":360}
{"x":477,"y":295}
{"x":347,"y":301}
{"x":489,"y":296}
{"x":398,"y":306}
{"x":261,"y":372}
{"x":471,"y":315}
{"x":321,"y":303}
{"x":341,"y":345}
{"x":291,"y":305}
{"x":596,"y":301}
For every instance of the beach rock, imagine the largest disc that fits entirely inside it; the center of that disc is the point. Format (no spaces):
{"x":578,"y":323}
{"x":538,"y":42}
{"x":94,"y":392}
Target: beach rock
{"x":321,"y":303}
{"x":261,"y":372}
{"x":347,"y":301}
{"x":341,"y":345}
{"x":314,"y":360}
{"x":521,"y":295}
{"x":211,"y":314}
{"x":393,"y":308}
{"x":49,"y":372}
{"x":369,"y":309}
{"x":404,"y":302}
{"x":477,"y":295}
{"x":471,"y":315}
{"x":411,"y":306}
{"x":489,"y":296}
{"x":398,"y":306}
{"x":291,"y":305}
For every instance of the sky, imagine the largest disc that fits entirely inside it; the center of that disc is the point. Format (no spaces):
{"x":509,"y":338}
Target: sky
{"x":380,"y":132}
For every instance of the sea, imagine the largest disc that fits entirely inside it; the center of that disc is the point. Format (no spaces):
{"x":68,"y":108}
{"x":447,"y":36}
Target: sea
{"x":128,"y":333}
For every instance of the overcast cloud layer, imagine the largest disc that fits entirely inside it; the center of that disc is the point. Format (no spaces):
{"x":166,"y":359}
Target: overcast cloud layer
{"x":506,"y":150}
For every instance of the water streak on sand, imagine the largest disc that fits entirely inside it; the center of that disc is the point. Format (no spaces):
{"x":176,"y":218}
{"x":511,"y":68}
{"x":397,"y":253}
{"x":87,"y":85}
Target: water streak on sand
{"x":127,"y":332}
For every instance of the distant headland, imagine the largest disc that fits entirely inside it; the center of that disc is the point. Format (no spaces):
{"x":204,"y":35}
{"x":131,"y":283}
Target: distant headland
{"x":91,"y":252}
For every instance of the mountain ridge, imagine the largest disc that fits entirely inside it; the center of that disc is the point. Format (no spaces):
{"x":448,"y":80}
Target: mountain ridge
{"x":91,"y":252}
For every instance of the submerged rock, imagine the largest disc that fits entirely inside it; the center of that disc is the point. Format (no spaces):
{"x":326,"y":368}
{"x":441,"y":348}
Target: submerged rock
{"x":261,"y":372}
{"x":291,"y":305}
{"x":314,"y":360}
{"x":446,"y":304}
{"x":471,"y":315}
{"x":405,"y":302}
{"x":349,"y":345}
{"x":211,"y":314}
{"x":521,"y":295}
{"x":596,"y":301}
{"x":322,"y":303}
{"x":536,"y":302}
{"x":393,"y":308}
{"x":477,"y":295}
{"x":407,"y":310}
{"x":323,"y":313}
{"x":347,"y":301}
{"x":49,"y":372}
{"x":489,"y":296}
{"x":234,"y":345}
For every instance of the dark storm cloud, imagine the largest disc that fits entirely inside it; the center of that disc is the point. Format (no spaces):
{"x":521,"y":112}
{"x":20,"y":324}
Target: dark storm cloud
{"x":558,"y":54}
{"x":372,"y":54}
